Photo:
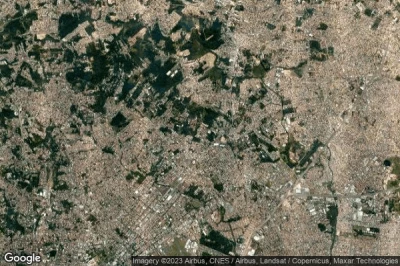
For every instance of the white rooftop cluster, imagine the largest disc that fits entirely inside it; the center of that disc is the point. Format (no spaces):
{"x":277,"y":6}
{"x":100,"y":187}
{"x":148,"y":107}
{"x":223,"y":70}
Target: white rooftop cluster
{"x":172,"y":74}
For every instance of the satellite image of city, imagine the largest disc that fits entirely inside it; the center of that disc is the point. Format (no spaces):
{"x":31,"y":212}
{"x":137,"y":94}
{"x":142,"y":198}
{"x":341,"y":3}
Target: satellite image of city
{"x":198,"y":128}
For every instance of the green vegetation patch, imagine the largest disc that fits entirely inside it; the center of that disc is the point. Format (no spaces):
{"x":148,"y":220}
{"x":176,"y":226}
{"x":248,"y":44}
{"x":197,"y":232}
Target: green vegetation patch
{"x":395,"y":163}
{"x":193,"y":204}
{"x":394,"y":205}
{"x":217,"y":241}
{"x":393,"y":184}
{"x":292,"y":146}
{"x":194,"y":192}
{"x":103,"y":255}
{"x":135,"y":174}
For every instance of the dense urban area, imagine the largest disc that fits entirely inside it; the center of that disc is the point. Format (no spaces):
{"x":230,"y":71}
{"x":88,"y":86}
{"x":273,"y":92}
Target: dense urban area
{"x":199,"y":127}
